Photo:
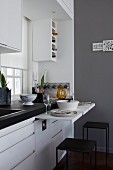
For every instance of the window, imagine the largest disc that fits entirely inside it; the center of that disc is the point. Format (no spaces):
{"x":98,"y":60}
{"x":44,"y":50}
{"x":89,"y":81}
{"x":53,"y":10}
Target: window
{"x":13,"y":79}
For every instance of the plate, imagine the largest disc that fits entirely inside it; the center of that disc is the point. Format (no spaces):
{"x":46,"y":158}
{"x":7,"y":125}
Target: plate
{"x":61,"y":113}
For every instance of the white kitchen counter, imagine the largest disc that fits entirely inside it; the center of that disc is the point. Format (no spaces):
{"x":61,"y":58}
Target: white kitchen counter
{"x":81,"y":110}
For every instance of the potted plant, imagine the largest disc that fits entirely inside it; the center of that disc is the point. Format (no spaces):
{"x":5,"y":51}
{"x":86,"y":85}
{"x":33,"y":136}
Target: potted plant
{"x":42,"y":82}
{"x":5,"y":93}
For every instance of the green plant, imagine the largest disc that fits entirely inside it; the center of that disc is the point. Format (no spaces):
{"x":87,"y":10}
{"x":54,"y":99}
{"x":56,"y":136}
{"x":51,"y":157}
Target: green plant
{"x":42,"y":81}
{"x":3,"y":80}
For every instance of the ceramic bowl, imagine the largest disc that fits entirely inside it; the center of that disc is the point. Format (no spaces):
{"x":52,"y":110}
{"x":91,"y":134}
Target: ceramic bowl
{"x":65,"y":105}
{"x":28,"y":98}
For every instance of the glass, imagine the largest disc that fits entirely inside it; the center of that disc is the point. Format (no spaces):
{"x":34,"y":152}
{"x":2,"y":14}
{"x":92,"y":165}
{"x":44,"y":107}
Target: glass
{"x":17,"y":72}
{"x":9,"y":71}
{"x":17,"y":86}
{"x":46,"y":100}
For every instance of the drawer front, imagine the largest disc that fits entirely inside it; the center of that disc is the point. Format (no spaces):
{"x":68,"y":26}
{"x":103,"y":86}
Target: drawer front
{"x":56,"y":127}
{"x":16,"y":154}
{"x":15,"y":137}
{"x":16,"y":126}
{"x":27,"y":164}
{"x":55,"y":141}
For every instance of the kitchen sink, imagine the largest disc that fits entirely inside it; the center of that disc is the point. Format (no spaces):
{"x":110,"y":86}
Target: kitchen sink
{"x":6,"y":112}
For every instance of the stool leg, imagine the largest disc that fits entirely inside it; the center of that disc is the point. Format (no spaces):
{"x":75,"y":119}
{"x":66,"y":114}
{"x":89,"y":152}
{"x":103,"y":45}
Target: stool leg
{"x":90,"y":161}
{"x":108,"y":138}
{"x":67,"y":160}
{"x":106,"y":146}
{"x":83,"y":157}
{"x":83,"y":132}
{"x":87,"y":133}
{"x":95,"y":156}
{"x":56,"y":156}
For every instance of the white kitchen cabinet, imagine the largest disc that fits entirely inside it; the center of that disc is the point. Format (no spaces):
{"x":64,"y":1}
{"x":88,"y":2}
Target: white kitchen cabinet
{"x":10,"y":25}
{"x":46,"y":142}
{"x":55,"y":141}
{"x":68,"y":6}
{"x":17,"y":144}
{"x":43,"y":146}
{"x":44,"y":40}
{"x":27,"y":164}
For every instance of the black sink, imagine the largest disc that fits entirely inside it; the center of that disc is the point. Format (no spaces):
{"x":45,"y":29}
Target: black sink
{"x":6,"y":112}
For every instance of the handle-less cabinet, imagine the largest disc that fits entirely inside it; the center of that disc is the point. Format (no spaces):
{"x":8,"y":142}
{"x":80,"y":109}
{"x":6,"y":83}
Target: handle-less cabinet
{"x":17,"y":146}
{"x":55,"y":141}
{"x":43,"y":146}
{"x":10,"y":25}
{"x":44,"y":40}
{"x":27,"y":164}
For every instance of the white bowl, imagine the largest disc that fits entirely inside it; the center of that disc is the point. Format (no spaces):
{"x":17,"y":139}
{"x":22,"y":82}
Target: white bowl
{"x":65,"y":105}
{"x":28,"y":98}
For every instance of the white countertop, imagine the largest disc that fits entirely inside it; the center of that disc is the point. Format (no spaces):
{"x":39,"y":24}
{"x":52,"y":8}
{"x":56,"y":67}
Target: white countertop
{"x":81,"y":110}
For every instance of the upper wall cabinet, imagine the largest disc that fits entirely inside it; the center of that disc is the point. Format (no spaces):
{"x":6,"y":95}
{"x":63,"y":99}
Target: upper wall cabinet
{"x":10,"y":25}
{"x":44,"y":40}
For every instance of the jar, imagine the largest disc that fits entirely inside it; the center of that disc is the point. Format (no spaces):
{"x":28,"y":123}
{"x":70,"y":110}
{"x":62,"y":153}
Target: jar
{"x":61,"y":92}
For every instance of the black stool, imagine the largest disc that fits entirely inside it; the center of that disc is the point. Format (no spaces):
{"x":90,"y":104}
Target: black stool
{"x":76,"y":145}
{"x":99,"y":125}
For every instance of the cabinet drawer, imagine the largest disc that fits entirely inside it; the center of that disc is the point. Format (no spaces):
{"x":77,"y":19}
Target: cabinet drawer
{"x":15,"y":137}
{"x":55,"y":141}
{"x":11,"y":157}
{"x":56,"y":127}
{"x":27,"y":164}
{"x":16,"y":126}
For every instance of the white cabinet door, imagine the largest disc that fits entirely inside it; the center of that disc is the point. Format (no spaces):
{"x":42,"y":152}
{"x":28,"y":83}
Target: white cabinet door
{"x":10,"y":25}
{"x":3,"y":22}
{"x":43,"y":147}
{"x":14,"y":23}
{"x":11,"y":157}
{"x":42,"y":41}
{"x":27,"y":164}
{"x":15,"y":137}
{"x":55,"y":141}
{"x":17,"y":143}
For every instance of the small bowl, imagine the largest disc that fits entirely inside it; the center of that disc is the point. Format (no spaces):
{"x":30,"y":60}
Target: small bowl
{"x":28,"y":98}
{"x":65,"y":105}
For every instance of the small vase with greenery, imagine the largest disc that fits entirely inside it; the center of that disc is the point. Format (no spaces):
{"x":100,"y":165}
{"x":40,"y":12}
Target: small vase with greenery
{"x":5,"y":93}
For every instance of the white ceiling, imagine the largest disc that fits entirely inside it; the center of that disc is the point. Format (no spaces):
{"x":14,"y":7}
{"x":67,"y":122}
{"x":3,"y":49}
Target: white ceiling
{"x":38,"y":9}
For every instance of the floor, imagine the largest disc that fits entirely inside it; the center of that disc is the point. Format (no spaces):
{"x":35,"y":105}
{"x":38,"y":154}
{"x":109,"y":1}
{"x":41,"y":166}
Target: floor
{"x":75,"y":162}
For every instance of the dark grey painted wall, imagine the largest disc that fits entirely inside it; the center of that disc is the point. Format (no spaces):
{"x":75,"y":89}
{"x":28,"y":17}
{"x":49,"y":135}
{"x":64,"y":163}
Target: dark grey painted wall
{"x":94,"y":70}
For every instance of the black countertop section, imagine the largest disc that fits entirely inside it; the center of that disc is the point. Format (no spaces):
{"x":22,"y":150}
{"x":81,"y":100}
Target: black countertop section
{"x":26,"y":113}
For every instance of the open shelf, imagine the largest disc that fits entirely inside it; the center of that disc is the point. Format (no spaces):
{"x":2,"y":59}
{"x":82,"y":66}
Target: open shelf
{"x":54,"y":40}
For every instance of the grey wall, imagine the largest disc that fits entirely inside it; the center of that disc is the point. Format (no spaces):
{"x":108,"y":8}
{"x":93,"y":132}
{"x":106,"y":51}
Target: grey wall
{"x":94,"y":70}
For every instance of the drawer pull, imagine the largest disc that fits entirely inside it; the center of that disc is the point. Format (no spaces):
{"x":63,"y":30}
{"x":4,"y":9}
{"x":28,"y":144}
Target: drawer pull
{"x":54,"y":121}
{"x":57,"y":133}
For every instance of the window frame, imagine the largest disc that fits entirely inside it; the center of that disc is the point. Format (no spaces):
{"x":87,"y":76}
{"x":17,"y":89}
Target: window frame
{"x":13,"y":76}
